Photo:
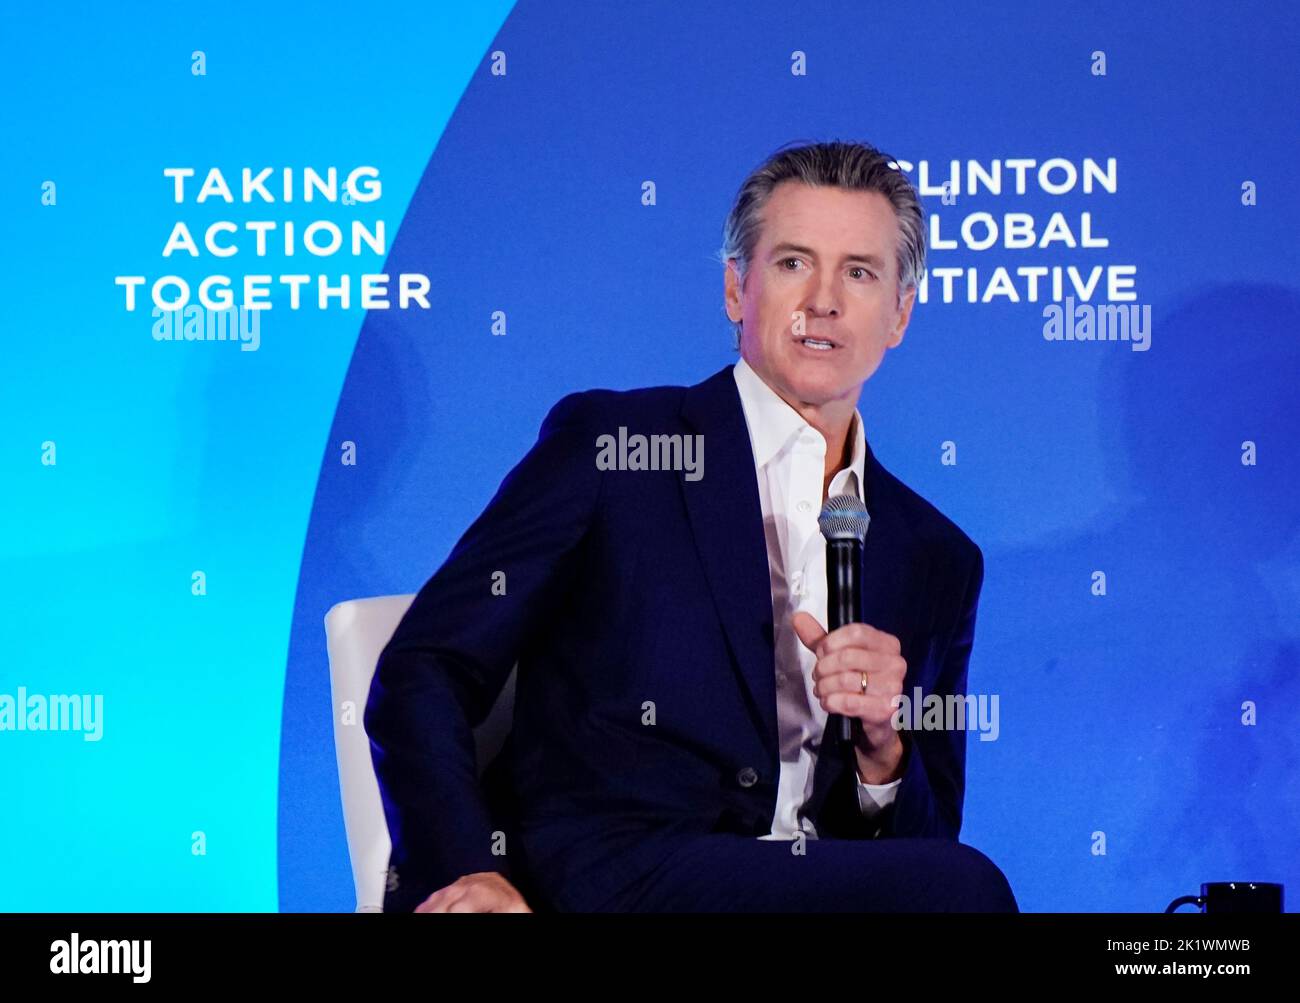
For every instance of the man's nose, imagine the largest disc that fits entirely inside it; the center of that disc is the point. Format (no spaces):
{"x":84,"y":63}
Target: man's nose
{"x":823,"y":298}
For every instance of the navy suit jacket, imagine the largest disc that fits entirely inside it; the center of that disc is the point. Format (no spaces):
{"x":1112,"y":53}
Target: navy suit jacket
{"x":637,"y":605}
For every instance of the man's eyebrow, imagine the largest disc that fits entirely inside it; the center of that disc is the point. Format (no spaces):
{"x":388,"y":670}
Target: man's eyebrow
{"x":870,"y":259}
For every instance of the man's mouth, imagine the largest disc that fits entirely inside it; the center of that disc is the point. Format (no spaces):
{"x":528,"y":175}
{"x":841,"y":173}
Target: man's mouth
{"x":818,"y":344}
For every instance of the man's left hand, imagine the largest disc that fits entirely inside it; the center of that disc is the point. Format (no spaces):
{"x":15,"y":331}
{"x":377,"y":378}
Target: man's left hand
{"x":843,"y":656}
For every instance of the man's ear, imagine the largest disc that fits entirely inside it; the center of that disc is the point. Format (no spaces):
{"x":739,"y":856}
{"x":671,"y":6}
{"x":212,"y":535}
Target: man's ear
{"x":904,"y":316}
{"x":731,"y":290}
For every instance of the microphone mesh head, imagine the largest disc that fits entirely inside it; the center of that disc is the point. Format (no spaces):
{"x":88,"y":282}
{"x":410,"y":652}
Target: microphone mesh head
{"x":844,"y":517}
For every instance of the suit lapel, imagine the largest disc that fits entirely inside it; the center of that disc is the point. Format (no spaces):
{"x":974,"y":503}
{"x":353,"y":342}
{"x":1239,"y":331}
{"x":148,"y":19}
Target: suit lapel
{"x":895,"y":565}
{"x":726,"y":519}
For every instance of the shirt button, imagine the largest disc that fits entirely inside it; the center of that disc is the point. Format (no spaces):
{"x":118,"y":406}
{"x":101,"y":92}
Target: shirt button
{"x":747,"y":777}
{"x":805,"y":506}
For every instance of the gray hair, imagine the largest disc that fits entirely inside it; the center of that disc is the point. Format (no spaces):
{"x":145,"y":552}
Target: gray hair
{"x":856,"y":166}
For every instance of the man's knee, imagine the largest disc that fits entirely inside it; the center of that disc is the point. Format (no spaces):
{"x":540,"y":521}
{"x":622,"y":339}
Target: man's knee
{"x":946,"y":876}
{"x":982,"y":887}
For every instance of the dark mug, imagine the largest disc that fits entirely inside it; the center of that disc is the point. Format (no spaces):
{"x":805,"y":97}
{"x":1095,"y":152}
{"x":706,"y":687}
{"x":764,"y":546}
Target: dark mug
{"x":1233,"y":896}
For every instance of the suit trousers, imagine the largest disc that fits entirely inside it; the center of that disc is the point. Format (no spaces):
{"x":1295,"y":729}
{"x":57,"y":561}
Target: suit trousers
{"x":726,"y":872}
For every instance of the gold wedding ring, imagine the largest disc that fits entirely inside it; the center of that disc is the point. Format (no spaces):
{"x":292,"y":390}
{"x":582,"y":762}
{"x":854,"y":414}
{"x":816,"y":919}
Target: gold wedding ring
{"x":864,"y":682}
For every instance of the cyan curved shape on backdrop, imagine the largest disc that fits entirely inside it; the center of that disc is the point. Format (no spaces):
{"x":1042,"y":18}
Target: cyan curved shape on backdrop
{"x":174,"y":457}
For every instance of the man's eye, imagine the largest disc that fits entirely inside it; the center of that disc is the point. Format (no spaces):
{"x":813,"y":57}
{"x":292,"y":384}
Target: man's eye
{"x":787,"y":260}
{"x":863,"y":270}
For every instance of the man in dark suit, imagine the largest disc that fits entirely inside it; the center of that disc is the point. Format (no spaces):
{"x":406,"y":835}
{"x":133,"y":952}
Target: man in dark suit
{"x":670,"y":747}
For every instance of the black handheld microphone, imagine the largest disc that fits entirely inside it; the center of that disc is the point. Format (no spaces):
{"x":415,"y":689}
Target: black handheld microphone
{"x":844,"y":520}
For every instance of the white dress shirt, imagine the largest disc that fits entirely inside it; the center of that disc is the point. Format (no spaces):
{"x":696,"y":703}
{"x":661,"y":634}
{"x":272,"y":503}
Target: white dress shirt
{"x":790,"y":462}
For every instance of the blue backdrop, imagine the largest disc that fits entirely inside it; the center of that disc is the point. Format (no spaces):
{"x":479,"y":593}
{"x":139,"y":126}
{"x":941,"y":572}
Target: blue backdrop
{"x":1121,"y":714}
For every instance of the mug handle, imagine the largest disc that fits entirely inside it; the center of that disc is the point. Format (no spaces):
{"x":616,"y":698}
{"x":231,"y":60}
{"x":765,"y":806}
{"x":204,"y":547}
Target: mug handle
{"x":1195,"y":900}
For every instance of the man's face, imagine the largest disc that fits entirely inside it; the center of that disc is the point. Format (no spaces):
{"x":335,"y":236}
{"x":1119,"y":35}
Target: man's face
{"x":829,"y":254}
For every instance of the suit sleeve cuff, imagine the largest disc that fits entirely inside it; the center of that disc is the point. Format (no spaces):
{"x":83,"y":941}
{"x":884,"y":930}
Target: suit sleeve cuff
{"x":872,"y":798}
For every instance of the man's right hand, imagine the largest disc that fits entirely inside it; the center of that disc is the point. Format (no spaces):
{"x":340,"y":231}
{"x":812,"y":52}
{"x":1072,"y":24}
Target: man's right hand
{"x":483,"y":891}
